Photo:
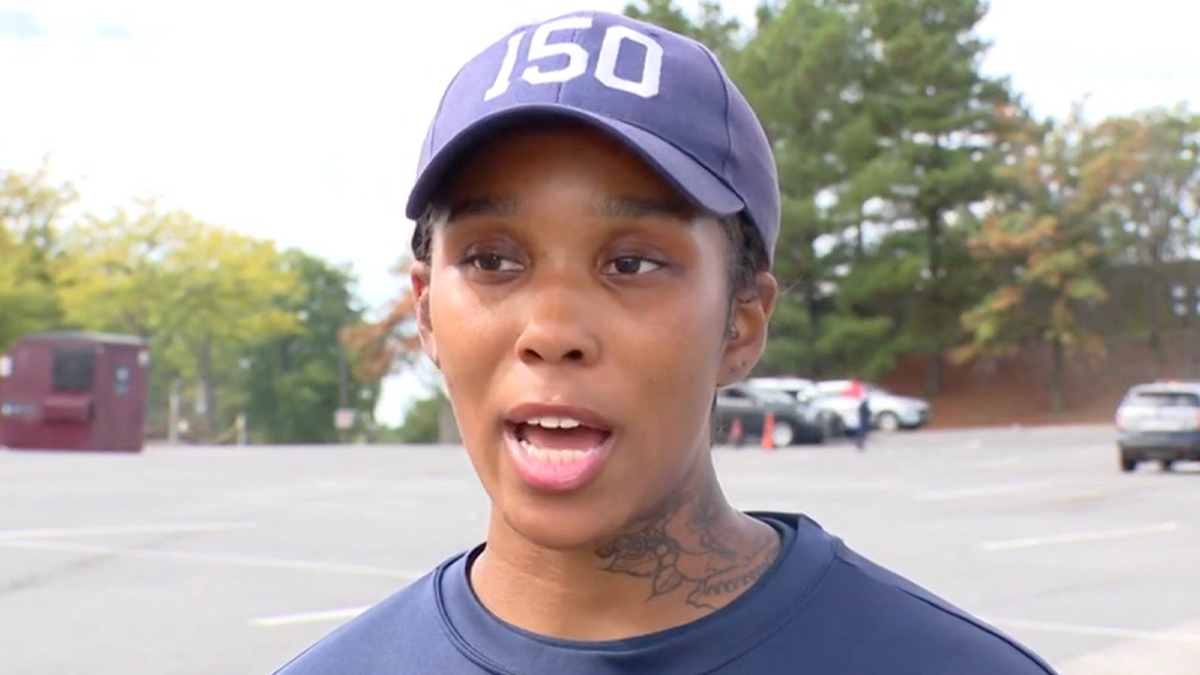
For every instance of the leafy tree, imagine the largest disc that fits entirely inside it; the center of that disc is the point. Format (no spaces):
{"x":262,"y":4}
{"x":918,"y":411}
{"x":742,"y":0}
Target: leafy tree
{"x":32,"y":212}
{"x":422,"y":421}
{"x":380,"y":347}
{"x":114,"y":278}
{"x":937,"y":115}
{"x":1159,"y":207}
{"x":295,"y":381}
{"x":803,"y":71}
{"x":202,"y":294}
{"x":27,"y":304}
{"x":1041,"y":240}
{"x":31,"y":218}
{"x":711,"y":28}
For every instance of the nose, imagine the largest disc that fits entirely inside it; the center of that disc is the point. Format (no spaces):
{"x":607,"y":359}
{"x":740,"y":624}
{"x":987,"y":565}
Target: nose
{"x":559,"y":328}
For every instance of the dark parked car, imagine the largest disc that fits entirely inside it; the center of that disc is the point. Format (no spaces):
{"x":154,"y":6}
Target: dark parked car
{"x":795,"y":422}
{"x":1159,"y":422}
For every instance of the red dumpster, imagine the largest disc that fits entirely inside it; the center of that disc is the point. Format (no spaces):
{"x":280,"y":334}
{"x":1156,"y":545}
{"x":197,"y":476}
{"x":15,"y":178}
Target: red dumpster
{"x":65,"y":390}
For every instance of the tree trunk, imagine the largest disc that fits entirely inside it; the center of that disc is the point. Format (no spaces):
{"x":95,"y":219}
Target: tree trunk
{"x":208,"y":396}
{"x":1154,"y":303}
{"x":934,"y":369}
{"x":1189,"y":322}
{"x":173,"y":416}
{"x":1058,"y":377}
{"x":812,"y":364}
{"x":933,"y":242}
{"x":343,"y":388}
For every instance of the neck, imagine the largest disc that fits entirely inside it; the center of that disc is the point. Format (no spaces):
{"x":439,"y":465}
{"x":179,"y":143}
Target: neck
{"x":696,"y":555}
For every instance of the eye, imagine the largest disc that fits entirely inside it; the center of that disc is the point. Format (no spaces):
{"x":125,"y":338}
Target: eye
{"x":630,"y":265}
{"x":492,"y":262}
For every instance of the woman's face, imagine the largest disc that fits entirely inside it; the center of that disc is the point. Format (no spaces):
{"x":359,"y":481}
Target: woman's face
{"x":577,"y":310}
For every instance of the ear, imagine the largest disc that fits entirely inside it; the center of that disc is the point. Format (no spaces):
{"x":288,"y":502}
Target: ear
{"x":748,"y":321}
{"x":419,"y":277}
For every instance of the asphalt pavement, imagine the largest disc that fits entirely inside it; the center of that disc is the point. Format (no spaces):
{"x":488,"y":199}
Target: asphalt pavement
{"x":200,"y":561}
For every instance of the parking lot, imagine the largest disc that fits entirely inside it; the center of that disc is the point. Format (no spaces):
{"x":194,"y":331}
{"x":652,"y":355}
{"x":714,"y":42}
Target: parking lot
{"x":200,"y":561}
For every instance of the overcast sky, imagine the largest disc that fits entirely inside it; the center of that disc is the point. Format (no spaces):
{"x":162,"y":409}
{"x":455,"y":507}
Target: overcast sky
{"x":301,"y":122}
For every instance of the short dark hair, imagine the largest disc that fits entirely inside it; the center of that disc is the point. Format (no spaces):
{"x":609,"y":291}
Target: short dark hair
{"x":748,"y":259}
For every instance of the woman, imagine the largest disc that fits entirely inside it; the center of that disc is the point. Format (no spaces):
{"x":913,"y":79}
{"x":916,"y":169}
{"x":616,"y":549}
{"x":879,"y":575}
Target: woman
{"x":597,"y":209}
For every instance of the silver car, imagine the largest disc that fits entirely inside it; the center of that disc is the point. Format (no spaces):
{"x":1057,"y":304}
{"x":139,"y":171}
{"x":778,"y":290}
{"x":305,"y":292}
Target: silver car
{"x":889,"y":412}
{"x":1159,"y":422}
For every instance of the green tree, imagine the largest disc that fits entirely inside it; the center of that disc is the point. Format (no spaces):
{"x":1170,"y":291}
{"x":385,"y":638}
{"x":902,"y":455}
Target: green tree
{"x":1042,"y":242}
{"x":711,"y":27}
{"x":938,"y":117}
{"x":200,"y":293}
{"x":1159,"y":207}
{"x":27,"y":303}
{"x":422,"y":422}
{"x":803,"y":71}
{"x":31,"y":219}
{"x":295,"y":381}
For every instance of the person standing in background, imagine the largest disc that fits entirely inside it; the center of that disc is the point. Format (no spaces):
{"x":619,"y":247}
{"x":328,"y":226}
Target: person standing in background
{"x":859,"y":393}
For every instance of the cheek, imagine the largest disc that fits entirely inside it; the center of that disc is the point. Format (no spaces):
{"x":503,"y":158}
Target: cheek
{"x":471,"y":342}
{"x":673,"y":360}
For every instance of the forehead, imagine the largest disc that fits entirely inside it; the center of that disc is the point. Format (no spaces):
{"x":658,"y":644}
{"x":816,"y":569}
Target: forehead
{"x":511,"y":166}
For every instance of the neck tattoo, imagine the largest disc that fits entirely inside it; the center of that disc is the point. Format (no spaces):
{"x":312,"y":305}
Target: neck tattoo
{"x":694,"y":549}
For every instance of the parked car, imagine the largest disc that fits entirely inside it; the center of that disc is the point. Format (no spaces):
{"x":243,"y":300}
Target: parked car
{"x":889,"y":412}
{"x":1159,"y":422}
{"x":795,"y":422}
{"x":805,"y":391}
{"x":799,"y":388}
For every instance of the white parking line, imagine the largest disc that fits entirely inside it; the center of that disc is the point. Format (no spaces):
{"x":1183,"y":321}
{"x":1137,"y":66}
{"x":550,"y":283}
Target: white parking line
{"x":1079,"y":537}
{"x":308,"y":617}
{"x":982,"y":491}
{"x":218,"y":558}
{"x":110,"y":530}
{"x":1181,"y":635}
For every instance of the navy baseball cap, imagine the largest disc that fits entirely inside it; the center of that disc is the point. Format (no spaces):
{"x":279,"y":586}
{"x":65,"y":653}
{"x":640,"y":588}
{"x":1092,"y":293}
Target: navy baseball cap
{"x":663,"y":95}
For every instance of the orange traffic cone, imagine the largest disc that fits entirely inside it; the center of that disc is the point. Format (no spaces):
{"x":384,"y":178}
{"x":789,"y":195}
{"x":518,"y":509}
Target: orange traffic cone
{"x":735,"y":432}
{"x":768,"y":439}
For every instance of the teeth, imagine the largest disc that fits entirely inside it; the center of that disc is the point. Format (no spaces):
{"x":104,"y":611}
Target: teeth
{"x":555,"y":422}
{"x":551,"y":456}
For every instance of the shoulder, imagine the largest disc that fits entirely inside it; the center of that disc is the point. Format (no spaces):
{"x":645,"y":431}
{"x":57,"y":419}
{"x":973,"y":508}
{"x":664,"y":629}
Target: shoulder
{"x":388,"y":637}
{"x":872,"y":621}
{"x":932,"y":631}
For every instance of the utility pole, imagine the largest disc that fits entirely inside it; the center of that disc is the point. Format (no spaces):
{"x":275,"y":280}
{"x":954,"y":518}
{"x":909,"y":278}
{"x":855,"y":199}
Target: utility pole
{"x":1186,"y":303}
{"x":343,"y":390}
{"x":173,"y":414}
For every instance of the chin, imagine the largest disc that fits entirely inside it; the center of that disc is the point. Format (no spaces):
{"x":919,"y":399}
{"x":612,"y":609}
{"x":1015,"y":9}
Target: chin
{"x":558,"y":523}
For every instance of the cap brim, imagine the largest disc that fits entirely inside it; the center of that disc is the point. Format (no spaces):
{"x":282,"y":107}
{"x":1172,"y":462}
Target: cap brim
{"x":677,"y":167}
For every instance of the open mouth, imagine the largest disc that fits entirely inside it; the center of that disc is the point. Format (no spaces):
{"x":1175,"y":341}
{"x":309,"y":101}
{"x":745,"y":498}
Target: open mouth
{"x":557,"y":454}
{"x":558,"y":439}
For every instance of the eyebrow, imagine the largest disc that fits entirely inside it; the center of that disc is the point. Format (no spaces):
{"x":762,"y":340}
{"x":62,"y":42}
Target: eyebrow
{"x":612,"y":206}
{"x":483,"y":206}
{"x":642,"y":207}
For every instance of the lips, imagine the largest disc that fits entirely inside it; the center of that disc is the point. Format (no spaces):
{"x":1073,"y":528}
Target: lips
{"x":557,"y":448}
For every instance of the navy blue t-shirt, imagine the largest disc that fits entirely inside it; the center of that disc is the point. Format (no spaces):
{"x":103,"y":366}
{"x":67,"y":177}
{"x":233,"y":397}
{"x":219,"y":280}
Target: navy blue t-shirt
{"x":821,"y":610}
